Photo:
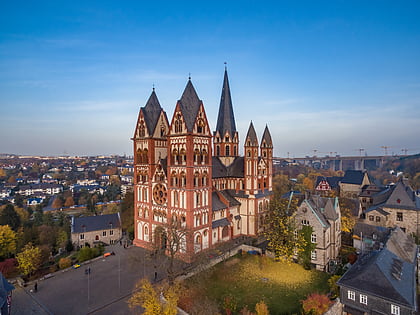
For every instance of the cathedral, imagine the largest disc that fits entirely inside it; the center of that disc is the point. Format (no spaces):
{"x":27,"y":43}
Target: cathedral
{"x":185,"y":173}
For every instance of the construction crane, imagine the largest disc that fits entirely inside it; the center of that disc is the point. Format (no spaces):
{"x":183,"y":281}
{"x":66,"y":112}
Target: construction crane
{"x":386,"y":149}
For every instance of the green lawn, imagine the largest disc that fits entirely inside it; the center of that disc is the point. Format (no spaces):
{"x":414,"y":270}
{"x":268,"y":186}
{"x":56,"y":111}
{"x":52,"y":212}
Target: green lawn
{"x":250,"y":279}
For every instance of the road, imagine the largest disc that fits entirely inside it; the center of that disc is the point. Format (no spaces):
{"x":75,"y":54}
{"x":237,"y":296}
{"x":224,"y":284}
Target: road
{"x":105,"y":290}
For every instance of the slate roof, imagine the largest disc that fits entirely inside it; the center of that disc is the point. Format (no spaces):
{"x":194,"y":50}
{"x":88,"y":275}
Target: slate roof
{"x":219,"y":223}
{"x":232,"y":201}
{"x":189,"y":105}
{"x":251,"y":136}
{"x":236,"y":169}
{"x":384,"y":274}
{"x":353,"y":177}
{"x":333,"y":181}
{"x":95,"y":223}
{"x":366,"y":230}
{"x":217,"y":204}
{"x":151,"y":112}
{"x":267,"y":138}
{"x":226,"y":118}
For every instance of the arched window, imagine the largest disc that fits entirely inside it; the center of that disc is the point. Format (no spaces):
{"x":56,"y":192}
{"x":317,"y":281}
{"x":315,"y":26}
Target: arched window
{"x":175,"y":156}
{"x":183,"y":179}
{"x":178,"y":123}
{"x":139,"y":156}
{"x":204,"y":179}
{"x":182,"y":156}
{"x":225,"y":232}
{"x":217,"y":150}
{"x":204,"y":156}
{"x":142,"y":129}
{"x":196,"y":179}
{"x":196,"y":156}
{"x":200,"y":126}
{"x":228,"y":150}
{"x":145,"y":156}
{"x":235,"y":153}
{"x":162,"y":131}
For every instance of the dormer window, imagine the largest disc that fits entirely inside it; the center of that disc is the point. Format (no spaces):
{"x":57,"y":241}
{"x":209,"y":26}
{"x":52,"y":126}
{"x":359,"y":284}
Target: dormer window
{"x":398,"y":200}
{"x":227,"y":139}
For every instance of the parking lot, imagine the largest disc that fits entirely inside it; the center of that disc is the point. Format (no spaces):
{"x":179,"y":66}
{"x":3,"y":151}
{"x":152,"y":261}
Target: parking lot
{"x":104,"y":291}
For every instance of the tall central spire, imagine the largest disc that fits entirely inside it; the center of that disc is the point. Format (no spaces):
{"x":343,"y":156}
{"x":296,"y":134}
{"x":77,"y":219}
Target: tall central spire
{"x":226,"y":119}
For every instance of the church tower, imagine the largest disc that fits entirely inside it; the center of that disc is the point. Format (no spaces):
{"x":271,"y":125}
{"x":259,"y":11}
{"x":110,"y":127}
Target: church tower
{"x":251,"y":161}
{"x":149,"y":149}
{"x":226,"y":139}
{"x":189,"y":171}
{"x":266,"y":163}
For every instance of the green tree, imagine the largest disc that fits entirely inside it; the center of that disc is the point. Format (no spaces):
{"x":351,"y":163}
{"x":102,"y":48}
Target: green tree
{"x":280,"y":229}
{"x":334,"y":288}
{"x":86,"y":253}
{"x":7,"y":241}
{"x":29,"y":259}
{"x":8,"y":216}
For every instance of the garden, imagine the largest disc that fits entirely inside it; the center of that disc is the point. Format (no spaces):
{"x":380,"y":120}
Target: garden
{"x":241,"y":282}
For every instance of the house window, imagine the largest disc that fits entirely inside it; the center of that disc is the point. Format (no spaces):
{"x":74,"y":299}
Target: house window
{"x":371,"y":218}
{"x":111,"y":232}
{"x":395,"y":310}
{"x":378,"y":219}
{"x":363,"y":299}
{"x":313,"y":255}
{"x":305,"y":222}
{"x":399,"y":216}
{"x":82,"y":236}
{"x":351,"y":295}
{"x":104,"y":233}
{"x":313,"y":238}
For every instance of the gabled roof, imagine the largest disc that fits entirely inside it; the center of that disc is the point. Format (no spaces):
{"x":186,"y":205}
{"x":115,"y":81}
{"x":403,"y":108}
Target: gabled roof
{"x":267,"y":138}
{"x":403,"y":196}
{"x":333,"y":181}
{"x":189,"y":105}
{"x":251,"y":136}
{"x":151,"y":112}
{"x":385,"y":274}
{"x":229,"y":197}
{"x":226,"y":118}
{"x":95,"y":223}
{"x":217,"y":204}
{"x":353,"y":177}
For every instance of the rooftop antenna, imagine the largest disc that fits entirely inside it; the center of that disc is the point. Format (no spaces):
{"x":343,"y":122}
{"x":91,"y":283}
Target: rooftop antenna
{"x":225,"y":65}
{"x":189,"y":76}
{"x":153,"y":87}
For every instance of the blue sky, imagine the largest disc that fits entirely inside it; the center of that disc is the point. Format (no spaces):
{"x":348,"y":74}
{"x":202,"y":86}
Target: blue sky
{"x":331,"y":76}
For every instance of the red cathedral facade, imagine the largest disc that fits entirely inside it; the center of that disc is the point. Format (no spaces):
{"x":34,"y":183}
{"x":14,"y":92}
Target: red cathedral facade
{"x":186,"y":173}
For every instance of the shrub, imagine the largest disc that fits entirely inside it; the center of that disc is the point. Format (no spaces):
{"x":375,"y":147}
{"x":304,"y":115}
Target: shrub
{"x":8,"y":266}
{"x":261,"y":308}
{"x":316,"y":304}
{"x":64,"y":263}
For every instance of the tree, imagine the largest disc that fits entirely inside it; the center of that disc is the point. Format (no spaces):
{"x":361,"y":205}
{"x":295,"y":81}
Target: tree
{"x":69,"y":202}
{"x":29,"y":259}
{"x":316,"y":304}
{"x":261,"y":308}
{"x":334,"y":288}
{"x":347,"y":219}
{"x":170,"y":238}
{"x":280,"y":229}
{"x":147,"y":297}
{"x":64,"y":263}
{"x":7,"y":241}
{"x":8,"y":216}
{"x":57,"y":202}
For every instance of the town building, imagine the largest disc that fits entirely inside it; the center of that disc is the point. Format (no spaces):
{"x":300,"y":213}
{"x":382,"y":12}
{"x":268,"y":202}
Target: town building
{"x":382,"y":281}
{"x":352,"y":183}
{"x":101,"y":229}
{"x":324,"y":216}
{"x":398,"y":205}
{"x":185,"y":173}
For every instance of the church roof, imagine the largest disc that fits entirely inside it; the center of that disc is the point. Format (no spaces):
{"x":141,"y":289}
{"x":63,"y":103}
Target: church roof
{"x":226,"y":118}
{"x":251,"y":136}
{"x":151,"y":112}
{"x":267,"y":138}
{"x":189,"y":104}
{"x":236,"y":169}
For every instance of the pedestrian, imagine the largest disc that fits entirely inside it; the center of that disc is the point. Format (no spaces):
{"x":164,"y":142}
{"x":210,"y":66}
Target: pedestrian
{"x":36,"y":287}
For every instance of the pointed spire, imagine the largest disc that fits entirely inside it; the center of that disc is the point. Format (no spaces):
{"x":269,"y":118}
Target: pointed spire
{"x":267,"y":138}
{"x":189,"y":104}
{"x":226,"y":118}
{"x":151,"y":112}
{"x":251,"y":136}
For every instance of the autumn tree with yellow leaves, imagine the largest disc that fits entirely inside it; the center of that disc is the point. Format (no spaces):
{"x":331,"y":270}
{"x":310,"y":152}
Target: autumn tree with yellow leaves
{"x":280,"y":229}
{"x":7,"y":241}
{"x":29,"y":259}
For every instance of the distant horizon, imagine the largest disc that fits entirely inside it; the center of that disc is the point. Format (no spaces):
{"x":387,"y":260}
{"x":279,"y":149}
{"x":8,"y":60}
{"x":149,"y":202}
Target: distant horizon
{"x":326,"y":77}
